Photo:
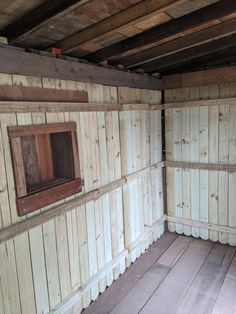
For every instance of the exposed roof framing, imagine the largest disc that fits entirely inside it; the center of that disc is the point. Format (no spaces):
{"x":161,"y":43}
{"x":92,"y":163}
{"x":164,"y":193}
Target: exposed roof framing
{"x":33,"y":64}
{"x":39,"y":16}
{"x":191,"y":53}
{"x":211,"y":12}
{"x":206,"y":35}
{"x":112,"y":23}
{"x":150,"y":36}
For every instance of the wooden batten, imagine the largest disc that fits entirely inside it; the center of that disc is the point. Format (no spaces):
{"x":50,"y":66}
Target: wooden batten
{"x":199,"y":224}
{"x":200,"y":166}
{"x":45,"y":216}
{"x":38,"y":106}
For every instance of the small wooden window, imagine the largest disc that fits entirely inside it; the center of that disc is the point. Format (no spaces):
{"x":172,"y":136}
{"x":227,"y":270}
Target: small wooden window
{"x":46,"y":164}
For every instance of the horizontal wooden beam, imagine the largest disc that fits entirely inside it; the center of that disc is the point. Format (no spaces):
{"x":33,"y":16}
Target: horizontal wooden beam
{"x":20,"y":93}
{"x":200,"y":224}
{"x":200,"y":166}
{"x":199,"y":78}
{"x":189,"y":54}
{"x":211,"y":12}
{"x":58,"y":210}
{"x":15,"y":61}
{"x":38,"y":106}
{"x":39,"y":16}
{"x":187,"y":41}
{"x":113,"y":23}
{"x":200,"y":103}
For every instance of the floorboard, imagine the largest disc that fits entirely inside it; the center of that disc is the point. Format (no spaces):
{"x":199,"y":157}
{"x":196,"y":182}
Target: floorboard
{"x":177,"y":274}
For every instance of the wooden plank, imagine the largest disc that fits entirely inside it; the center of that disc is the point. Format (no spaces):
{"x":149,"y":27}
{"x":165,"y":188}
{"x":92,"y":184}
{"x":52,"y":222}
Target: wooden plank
{"x":43,"y":198}
{"x":18,"y":163}
{"x":201,"y":166}
{"x":9,"y":280}
{"x":194,"y":157}
{"x":213,"y":197}
{"x":43,"y":66}
{"x":226,"y":302}
{"x":177,"y":155}
{"x":178,"y":281}
{"x":201,"y":103}
{"x":205,"y":287}
{"x":186,"y":174}
{"x":123,"y":285}
{"x":139,"y":294}
{"x":198,"y":78}
{"x":232,"y":158}
{"x":97,"y":94}
{"x":8,"y":120}
{"x":204,"y":225}
{"x":169,"y":156}
{"x":189,"y":54}
{"x":113,"y":160}
{"x":45,"y":157}
{"x":223,"y":158}
{"x":31,"y":106}
{"x":185,"y":41}
{"x":44,"y":13}
{"x":21,"y":93}
{"x":39,"y":269}
{"x":113,"y":23}
{"x":18,"y":131}
{"x":209,"y":13}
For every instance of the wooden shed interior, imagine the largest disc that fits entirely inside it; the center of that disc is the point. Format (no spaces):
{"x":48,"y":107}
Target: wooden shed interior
{"x":117,"y":156}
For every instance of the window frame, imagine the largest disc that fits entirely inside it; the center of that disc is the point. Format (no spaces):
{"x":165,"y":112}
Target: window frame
{"x":29,"y":202}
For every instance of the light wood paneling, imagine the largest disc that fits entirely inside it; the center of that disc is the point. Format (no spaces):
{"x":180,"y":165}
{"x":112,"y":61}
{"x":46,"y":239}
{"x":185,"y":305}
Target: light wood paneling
{"x":206,"y":135}
{"x":84,"y":248}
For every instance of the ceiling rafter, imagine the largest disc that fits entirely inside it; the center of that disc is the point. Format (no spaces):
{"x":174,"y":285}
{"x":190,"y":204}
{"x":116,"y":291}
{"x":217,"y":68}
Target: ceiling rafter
{"x":211,"y":12}
{"x":39,"y":16}
{"x":193,"y":39}
{"x":114,"y":22}
{"x":189,"y":54}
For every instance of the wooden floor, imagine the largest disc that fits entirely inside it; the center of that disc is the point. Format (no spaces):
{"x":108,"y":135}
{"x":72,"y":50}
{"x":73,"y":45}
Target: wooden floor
{"x":177,"y":275}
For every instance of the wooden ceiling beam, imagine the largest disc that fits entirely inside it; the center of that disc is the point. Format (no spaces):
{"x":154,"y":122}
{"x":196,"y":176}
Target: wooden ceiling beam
{"x":41,"y":15}
{"x":113,"y":23}
{"x":206,"y":14}
{"x":192,"y":53}
{"x":17,"y":61}
{"x":193,"y":39}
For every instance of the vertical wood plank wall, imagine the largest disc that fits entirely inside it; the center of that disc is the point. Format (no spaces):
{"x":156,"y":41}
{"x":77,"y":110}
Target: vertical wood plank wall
{"x":40,"y":270}
{"x":204,"y":134}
